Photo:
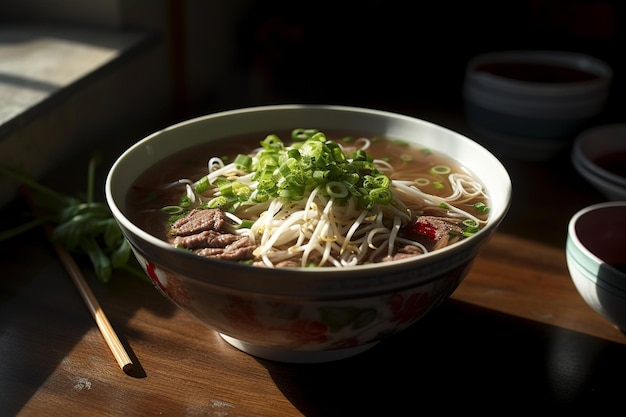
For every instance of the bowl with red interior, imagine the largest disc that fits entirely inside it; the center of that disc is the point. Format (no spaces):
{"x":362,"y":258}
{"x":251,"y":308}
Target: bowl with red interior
{"x":307,"y":233}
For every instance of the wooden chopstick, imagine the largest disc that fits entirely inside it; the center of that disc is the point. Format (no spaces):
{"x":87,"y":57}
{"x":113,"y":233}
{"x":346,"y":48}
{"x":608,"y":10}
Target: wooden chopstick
{"x":111,"y":338}
{"x":117,"y":348}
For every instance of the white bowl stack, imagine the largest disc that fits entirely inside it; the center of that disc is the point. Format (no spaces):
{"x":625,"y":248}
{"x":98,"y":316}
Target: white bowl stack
{"x":530,"y":105}
{"x":594,"y":144}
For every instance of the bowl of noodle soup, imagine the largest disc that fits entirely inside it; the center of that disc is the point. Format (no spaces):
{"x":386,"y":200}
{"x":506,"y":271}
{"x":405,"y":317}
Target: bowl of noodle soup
{"x":307,"y":233}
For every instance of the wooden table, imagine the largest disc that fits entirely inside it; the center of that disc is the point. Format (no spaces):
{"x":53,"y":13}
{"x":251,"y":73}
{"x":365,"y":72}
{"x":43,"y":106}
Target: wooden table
{"x":515,"y":336}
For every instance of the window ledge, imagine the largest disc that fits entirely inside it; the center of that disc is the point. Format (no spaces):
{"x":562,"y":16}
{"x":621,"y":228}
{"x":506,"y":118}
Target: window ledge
{"x":61,"y":87}
{"x":40,"y":65}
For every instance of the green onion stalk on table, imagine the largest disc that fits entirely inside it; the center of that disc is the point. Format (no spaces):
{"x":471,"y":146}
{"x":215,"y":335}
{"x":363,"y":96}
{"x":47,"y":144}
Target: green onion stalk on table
{"x":81,"y":226}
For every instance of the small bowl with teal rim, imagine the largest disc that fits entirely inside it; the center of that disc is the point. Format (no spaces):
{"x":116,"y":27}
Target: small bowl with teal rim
{"x":596,"y":258}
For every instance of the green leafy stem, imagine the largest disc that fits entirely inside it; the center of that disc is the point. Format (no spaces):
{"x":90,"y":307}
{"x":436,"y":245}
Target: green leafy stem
{"x":81,"y":226}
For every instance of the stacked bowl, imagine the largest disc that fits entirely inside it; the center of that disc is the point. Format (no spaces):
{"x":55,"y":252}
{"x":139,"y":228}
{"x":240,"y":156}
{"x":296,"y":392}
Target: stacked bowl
{"x":530,"y":105}
{"x":599,"y":156}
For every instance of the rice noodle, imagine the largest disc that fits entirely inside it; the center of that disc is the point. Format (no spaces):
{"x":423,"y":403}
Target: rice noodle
{"x":318,"y":230}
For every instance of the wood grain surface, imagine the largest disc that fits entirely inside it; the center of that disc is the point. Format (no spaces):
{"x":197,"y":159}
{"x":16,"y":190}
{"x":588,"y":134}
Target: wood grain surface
{"x":515,"y":334}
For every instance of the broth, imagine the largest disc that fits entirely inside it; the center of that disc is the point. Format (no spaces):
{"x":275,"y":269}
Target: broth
{"x":148,"y":196}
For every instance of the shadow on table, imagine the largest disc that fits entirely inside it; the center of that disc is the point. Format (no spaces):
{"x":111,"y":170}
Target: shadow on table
{"x":463,"y":358}
{"x":36,"y":296}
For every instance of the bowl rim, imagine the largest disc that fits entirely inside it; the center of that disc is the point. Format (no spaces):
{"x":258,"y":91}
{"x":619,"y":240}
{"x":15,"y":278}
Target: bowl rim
{"x":579,"y":270}
{"x":604,"y":185}
{"x":576,"y":242}
{"x":348,"y":272}
{"x":593,"y":134}
{"x":580,"y":60}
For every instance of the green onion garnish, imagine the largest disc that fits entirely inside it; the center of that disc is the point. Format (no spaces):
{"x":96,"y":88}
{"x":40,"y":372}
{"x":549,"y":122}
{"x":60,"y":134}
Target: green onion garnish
{"x":312,"y":161}
{"x":440,"y":170}
{"x":481,"y":208}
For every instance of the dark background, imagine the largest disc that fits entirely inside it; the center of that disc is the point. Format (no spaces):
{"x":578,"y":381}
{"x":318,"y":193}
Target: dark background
{"x":403,"y":55}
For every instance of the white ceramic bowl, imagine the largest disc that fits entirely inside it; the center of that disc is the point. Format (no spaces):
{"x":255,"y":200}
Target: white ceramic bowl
{"x":531,"y":104}
{"x":596,"y":258}
{"x":599,"y":155}
{"x":305,"y":314}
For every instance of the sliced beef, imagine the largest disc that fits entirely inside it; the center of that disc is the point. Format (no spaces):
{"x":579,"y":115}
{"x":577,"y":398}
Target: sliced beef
{"x":197,"y":221}
{"x":205,"y":239}
{"x":434,"y":232}
{"x":202,"y":231}
{"x":240,"y":250}
{"x":406,"y":251}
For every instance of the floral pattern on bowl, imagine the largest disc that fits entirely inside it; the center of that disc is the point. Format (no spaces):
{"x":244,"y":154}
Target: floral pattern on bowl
{"x":299,"y":324}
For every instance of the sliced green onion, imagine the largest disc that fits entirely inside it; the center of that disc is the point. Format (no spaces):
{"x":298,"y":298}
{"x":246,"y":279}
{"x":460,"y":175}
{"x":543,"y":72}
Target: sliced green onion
{"x":481,"y":208}
{"x":471,"y":226}
{"x":359,"y":155}
{"x":218,"y":202}
{"x":291,"y":193}
{"x":226,"y":188}
{"x":294,"y":153}
{"x":203,"y":185}
{"x":243,"y":162}
{"x":185,"y":201}
{"x":381,"y":195}
{"x":382,"y":181}
{"x":241,"y":191}
{"x":318,"y":136}
{"x":440,"y":170}
{"x":319,"y":175}
{"x":245,"y":224}
{"x":302,"y":134}
{"x":272,"y":142}
{"x":259,"y":197}
{"x":365,"y":201}
{"x":336,"y":189}
{"x":470,"y":223}
{"x":290,"y":172}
